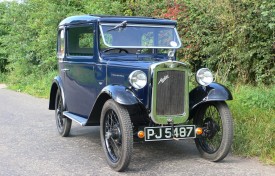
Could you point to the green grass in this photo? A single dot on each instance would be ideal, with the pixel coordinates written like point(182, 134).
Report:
point(35, 84)
point(253, 110)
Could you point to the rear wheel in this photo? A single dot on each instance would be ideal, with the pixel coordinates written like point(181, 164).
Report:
point(116, 135)
point(216, 121)
point(63, 123)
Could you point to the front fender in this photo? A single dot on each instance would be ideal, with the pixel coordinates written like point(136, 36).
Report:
point(57, 84)
point(212, 92)
point(120, 94)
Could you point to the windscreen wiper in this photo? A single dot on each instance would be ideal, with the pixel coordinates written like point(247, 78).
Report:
point(119, 26)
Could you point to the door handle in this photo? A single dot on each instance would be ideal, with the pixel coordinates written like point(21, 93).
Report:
point(65, 69)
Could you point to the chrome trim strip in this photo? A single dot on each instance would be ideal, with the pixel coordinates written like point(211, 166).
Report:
point(153, 66)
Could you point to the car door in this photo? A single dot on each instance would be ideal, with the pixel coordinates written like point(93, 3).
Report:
point(79, 69)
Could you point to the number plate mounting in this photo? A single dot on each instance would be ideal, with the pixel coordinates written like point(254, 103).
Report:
point(165, 132)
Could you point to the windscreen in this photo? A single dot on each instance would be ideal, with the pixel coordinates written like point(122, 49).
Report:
point(140, 36)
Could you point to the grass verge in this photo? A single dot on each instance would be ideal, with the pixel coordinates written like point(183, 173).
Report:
point(35, 84)
point(254, 122)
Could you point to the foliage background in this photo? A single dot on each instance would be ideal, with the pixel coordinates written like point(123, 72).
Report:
point(234, 38)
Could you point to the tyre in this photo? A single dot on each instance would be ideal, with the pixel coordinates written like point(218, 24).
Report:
point(116, 135)
point(216, 121)
point(63, 123)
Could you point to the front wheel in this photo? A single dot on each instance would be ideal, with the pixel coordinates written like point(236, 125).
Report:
point(216, 121)
point(116, 135)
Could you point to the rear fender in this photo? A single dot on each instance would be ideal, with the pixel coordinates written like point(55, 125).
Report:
point(57, 84)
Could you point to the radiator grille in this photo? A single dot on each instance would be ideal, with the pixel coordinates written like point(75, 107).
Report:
point(170, 92)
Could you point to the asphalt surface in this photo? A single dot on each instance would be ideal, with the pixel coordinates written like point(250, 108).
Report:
point(30, 145)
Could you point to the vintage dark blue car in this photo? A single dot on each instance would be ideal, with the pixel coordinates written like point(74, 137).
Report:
point(121, 73)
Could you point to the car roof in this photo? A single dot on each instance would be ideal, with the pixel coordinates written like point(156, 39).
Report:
point(114, 19)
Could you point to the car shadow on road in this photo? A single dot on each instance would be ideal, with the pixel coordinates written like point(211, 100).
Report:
point(145, 154)
point(148, 155)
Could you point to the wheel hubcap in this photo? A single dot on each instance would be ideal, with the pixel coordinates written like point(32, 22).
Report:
point(212, 128)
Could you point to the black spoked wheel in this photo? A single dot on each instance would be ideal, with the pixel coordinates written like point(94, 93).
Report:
point(216, 121)
point(116, 135)
point(63, 123)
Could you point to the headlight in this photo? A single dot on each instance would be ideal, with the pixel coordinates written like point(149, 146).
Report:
point(204, 76)
point(138, 79)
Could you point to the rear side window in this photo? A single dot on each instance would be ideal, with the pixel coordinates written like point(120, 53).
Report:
point(61, 44)
point(80, 41)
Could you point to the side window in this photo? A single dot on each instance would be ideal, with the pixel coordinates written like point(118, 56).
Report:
point(80, 41)
point(61, 44)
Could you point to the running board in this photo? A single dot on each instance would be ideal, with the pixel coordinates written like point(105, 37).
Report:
point(82, 121)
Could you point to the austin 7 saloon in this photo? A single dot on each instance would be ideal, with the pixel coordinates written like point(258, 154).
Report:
point(122, 74)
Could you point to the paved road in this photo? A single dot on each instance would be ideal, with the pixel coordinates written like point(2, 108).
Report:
point(30, 145)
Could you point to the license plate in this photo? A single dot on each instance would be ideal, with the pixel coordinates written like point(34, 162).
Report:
point(165, 132)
